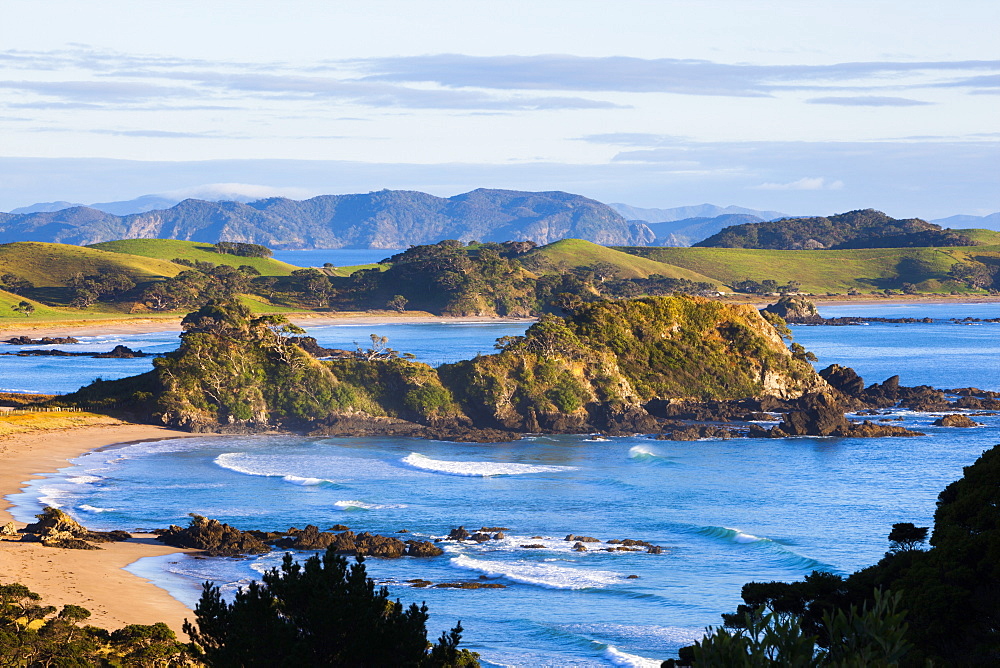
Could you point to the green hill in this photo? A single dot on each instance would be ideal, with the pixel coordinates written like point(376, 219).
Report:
point(168, 249)
point(821, 271)
point(54, 265)
point(577, 253)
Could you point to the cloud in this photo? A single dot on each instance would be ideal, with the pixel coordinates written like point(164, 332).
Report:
point(869, 101)
point(664, 75)
point(99, 91)
point(805, 183)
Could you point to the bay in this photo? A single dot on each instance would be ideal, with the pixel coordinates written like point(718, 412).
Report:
point(727, 511)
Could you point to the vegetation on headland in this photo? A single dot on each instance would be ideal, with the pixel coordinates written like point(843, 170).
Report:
point(151, 277)
point(915, 607)
point(864, 228)
point(596, 368)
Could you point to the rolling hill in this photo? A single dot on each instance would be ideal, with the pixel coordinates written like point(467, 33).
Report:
point(169, 249)
point(864, 228)
point(821, 271)
point(577, 253)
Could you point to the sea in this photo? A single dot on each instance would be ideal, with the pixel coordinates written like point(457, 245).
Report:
point(726, 512)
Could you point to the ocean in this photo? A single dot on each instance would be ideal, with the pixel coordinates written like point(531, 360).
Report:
point(725, 512)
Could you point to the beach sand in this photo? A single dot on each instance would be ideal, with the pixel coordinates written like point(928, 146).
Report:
point(93, 579)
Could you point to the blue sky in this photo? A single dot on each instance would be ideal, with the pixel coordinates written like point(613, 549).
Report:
point(809, 107)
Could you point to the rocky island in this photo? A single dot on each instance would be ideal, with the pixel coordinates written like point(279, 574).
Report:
point(677, 366)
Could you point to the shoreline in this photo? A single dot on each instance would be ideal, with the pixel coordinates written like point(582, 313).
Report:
point(12, 329)
point(94, 579)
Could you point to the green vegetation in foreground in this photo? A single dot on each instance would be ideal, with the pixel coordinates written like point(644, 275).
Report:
point(319, 613)
point(914, 608)
point(822, 271)
point(235, 371)
point(169, 249)
point(34, 634)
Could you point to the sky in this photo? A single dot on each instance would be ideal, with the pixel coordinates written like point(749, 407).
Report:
point(811, 107)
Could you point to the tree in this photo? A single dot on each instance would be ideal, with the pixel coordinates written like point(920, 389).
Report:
point(23, 307)
point(318, 613)
point(397, 303)
point(905, 537)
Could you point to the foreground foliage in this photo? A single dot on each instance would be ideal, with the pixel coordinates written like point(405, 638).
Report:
point(33, 634)
point(319, 613)
point(950, 594)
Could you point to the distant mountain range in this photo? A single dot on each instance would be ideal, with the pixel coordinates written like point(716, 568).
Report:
point(990, 222)
point(680, 213)
point(384, 219)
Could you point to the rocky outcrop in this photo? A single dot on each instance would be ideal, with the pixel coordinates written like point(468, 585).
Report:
point(956, 421)
point(44, 341)
point(822, 414)
point(55, 528)
point(215, 538)
point(795, 309)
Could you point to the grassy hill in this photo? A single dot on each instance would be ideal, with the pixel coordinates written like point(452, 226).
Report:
point(53, 265)
point(570, 253)
point(168, 249)
point(821, 271)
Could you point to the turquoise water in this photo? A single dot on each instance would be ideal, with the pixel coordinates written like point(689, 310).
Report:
point(727, 511)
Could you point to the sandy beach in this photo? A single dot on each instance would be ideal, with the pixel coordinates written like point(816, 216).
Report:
point(144, 326)
point(91, 578)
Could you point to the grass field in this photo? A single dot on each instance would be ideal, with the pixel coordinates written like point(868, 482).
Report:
point(168, 249)
point(570, 253)
point(821, 271)
point(53, 265)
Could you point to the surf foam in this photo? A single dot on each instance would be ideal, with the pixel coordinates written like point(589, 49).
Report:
point(361, 505)
point(620, 658)
point(477, 469)
point(540, 574)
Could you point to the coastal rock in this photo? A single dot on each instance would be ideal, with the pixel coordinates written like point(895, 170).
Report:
point(458, 534)
point(869, 429)
point(695, 432)
point(44, 341)
point(121, 352)
point(422, 548)
point(579, 547)
point(214, 537)
point(817, 415)
point(480, 537)
point(8, 529)
point(470, 585)
point(796, 309)
point(844, 379)
point(956, 421)
point(582, 539)
point(534, 546)
point(55, 528)
point(310, 538)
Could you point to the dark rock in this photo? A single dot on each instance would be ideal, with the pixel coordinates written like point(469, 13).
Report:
point(310, 538)
point(579, 547)
point(844, 379)
point(367, 544)
point(534, 546)
point(458, 534)
point(480, 537)
point(215, 538)
point(956, 421)
point(869, 429)
point(654, 549)
point(695, 432)
point(422, 548)
point(632, 577)
point(420, 583)
point(582, 539)
point(499, 535)
point(817, 414)
point(44, 341)
point(493, 529)
point(338, 527)
point(403, 531)
point(121, 352)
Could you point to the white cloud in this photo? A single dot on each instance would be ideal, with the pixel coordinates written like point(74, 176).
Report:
point(247, 192)
point(805, 183)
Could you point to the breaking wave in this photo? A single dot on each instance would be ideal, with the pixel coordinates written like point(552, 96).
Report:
point(477, 469)
point(540, 574)
point(232, 462)
point(361, 505)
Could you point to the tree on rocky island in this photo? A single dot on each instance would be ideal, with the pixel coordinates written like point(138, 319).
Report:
point(319, 613)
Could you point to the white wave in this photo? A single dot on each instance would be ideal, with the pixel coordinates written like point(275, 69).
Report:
point(347, 505)
point(83, 479)
point(50, 496)
point(94, 509)
point(620, 658)
point(308, 482)
point(541, 575)
point(477, 469)
point(232, 461)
